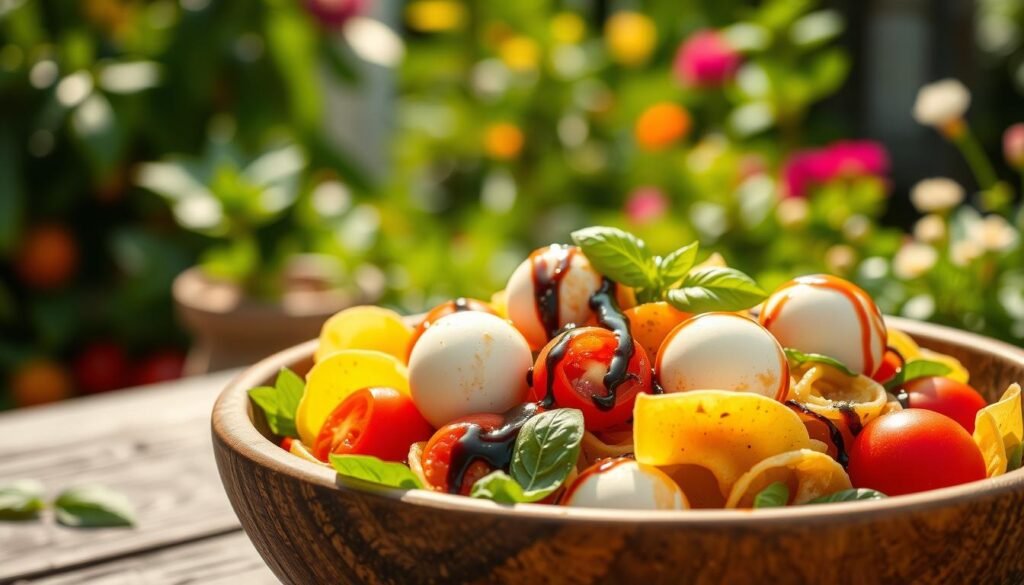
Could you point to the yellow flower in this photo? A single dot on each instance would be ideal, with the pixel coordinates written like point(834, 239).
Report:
point(503, 141)
point(435, 15)
point(520, 53)
point(631, 38)
point(567, 28)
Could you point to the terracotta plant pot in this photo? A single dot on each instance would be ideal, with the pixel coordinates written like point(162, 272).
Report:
point(313, 527)
point(232, 329)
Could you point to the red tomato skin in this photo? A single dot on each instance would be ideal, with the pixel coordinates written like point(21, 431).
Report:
point(100, 367)
point(914, 450)
point(956, 400)
point(588, 345)
point(160, 366)
point(891, 364)
point(386, 421)
point(437, 455)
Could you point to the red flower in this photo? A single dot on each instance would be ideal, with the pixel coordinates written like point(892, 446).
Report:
point(334, 13)
point(854, 158)
point(706, 60)
point(646, 204)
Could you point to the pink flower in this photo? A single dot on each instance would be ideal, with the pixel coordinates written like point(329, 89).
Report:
point(334, 13)
point(853, 158)
point(646, 204)
point(1013, 145)
point(706, 60)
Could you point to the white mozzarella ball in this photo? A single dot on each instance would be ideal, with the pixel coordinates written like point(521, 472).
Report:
point(830, 316)
point(572, 281)
point(625, 484)
point(468, 363)
point(722, 351)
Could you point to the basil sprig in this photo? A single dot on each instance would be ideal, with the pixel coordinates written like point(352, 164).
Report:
point(625, 258)
point(917, 369)
point(774, 495)
point(374, 470)
point(798, 357)
point(94, 506)
point(280, 401)
point(21, 499)
point(500, 487)
point(850, 495)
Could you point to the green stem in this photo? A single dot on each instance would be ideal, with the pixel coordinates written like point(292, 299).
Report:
point(976, 158)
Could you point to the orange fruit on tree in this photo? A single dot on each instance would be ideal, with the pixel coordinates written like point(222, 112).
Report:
point(660, 125)
point(650, 323)
point(47, 256)
point(40, 381)
point(503, 141)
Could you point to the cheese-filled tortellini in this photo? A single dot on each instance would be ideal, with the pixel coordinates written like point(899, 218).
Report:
point(830, 392)
point(808, 475)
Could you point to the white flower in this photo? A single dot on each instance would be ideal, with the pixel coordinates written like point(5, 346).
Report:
point(941, 103)
point(938, 194)
point(930, 229)
point(913, 260)
point(964, 252)
point(840, 258)
point(856, 228)
point(993, 234)
point(792, 212)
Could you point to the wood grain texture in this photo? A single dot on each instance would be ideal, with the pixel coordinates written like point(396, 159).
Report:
point(152, 444)
point(311, 527)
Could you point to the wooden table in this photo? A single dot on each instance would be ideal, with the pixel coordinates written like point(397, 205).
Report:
point(152, 444)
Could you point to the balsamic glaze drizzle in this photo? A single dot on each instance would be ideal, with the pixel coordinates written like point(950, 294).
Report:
point(851, 417)
point(842, 457)
point(554, 357)
point(492, 447)
point(611, 317)
point(462, 304)
point(547, 282)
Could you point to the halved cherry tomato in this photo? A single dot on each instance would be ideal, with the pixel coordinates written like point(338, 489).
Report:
point(437, 455)
point(892, 362)
point(286, 443)
point(914, 450)
point(578, 377)
point(445, 309)
point(954, 399)
point(381, 422)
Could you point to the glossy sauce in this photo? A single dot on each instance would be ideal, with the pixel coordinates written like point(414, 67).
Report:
point(547, 280)
point(851, 417)
point(842, 457)
point(493, 447)
point(611, 317)
point(858, 299)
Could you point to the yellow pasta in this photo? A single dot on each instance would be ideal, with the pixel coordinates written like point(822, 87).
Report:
point(999, 429)
point(594, 449)
point(910, 351)
point(830, 392)
point(808, 475)
point(724, 432)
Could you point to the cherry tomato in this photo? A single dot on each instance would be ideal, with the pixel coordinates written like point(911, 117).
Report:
point(437, 455)
point(954, 399)
point(286, 443)
point(578, 377)
point(160, 366)
point(914, 450)
point(47, 257)
point(381, 422)
point(445, 309)
point(100, 367)
point(892, 362)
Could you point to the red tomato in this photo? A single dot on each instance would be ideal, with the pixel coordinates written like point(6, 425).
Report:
point(892, 362)
point(160, 366)
point(445, 309)
point(101, 367)
point(381, 422)
point(914, 450)
point(579, 377)
point(954, 399)
point(437, 455)
point(286, 443)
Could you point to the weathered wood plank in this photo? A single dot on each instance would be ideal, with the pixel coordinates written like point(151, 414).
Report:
point(152, 444)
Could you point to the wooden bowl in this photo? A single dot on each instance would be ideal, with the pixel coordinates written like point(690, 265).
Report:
point(311, 527)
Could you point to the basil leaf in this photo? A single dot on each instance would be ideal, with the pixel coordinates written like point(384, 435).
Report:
point(774, 495)
point(619, 255)
point(674, 267)
point(850, 495)
point(795, 355)
point(94, 506)
point(500, 487)
point(1013, 458)
point(21, 499)
point(279, 402)
point(373, 470)
point(546, 449)
point(716, 288)
point(917, 369)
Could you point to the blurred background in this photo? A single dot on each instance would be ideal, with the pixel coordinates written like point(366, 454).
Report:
point(188, 184)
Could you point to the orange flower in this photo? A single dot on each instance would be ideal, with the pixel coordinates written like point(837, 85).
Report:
point(660, 125)
point(503, 141)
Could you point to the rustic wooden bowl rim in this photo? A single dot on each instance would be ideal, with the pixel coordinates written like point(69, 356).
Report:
point(233, 424)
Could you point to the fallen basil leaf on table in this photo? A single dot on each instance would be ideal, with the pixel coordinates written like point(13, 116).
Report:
point(94, 507)
point(850, 495)
point(280, 401)
point(795, 355)
point(774, 495)
point(21, 499)
point(373, 470)
point(500, 487)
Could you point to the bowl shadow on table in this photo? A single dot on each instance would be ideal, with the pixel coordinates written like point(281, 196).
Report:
point(311, 527)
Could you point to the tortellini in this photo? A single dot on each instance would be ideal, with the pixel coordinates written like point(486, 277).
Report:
point(830, 392)
point(808, 475)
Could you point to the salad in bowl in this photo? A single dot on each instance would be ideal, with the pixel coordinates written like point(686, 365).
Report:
point(604, 376)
